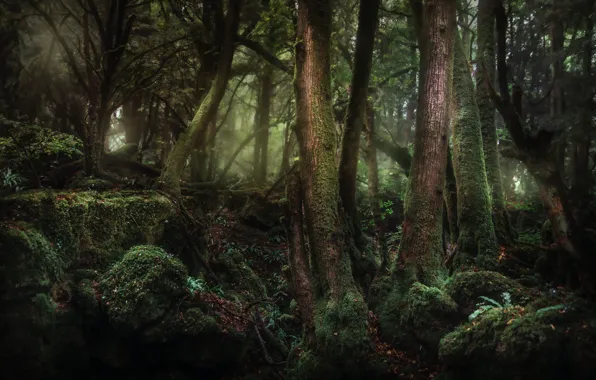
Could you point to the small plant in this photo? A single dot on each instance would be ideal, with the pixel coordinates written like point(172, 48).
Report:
point(489, 303)
point(11, 179)
point(277, 239)
point(386, 209)
point(196, 284)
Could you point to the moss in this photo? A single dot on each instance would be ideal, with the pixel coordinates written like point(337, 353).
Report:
point(28, 331)
point(537, 341)
point(308, 365)
point(89, 183)
point(340, 327)
point(477, 241)
point(91, 228)
point(86, 298)
point(28, 261)
point(141, 288)
point(466, 287)
point(420, 317)
point(238, 275)
point(379, 291)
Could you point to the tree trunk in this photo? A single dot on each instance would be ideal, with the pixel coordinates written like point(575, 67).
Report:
point(581, 177)
point(172, 173)
point(451, 200)
point(373, 188)
point(297, 254)
point(365, 38)
point(476, 244)
point(341, 334)
point(264, 119)
point(485, 71)
point(421, 249)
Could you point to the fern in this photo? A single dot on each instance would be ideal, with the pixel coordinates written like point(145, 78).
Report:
point(489, 304)
point(550, 308)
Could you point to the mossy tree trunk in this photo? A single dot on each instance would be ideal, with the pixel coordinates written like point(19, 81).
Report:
point(373, 188)
point(421, 250)
point(365, 38)
point(298, 255)
point(451, 200)
point(485, 71)
point(340, 314)
point(476, 244)
point(174, 167)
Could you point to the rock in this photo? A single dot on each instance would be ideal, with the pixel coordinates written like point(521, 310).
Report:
point(466, 288)
point(140, 289)
point(537, 341)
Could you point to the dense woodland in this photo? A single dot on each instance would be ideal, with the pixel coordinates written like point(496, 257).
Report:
point(297, 189)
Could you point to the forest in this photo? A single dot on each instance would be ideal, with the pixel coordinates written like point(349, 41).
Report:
point(297, 189)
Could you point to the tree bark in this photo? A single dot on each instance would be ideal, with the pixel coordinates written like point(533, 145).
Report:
point(421, 249)
point(485, 71)
point(264, 119)
point(476, 244)
point(365, 38)
point(340, 334)
point(297, 254)
point(172, 174)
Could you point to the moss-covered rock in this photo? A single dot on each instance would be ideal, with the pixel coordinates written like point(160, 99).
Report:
point(547, 342)
point(466, 288)
point(195, 339)
point(29, 264)
point(235, 272)
point(89, 228)
point(421, 317)
point(141, 288)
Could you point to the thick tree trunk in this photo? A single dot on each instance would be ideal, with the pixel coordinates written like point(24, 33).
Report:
point(172, 173)
point(365, 38)
point(421, 249)
point(341, 313)
point(485, 71)
point(476, 244)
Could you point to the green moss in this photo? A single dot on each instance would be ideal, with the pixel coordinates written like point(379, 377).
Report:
point(537, 341)
point(91, 226)
point(340, 327)
point(477, 242)
point(86, 299)
point(379, 291)
point(420, 317)
point(141, 288)
point(466, 287)
point(28, 261)
point(237, 274)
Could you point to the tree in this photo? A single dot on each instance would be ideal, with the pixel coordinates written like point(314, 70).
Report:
point(172, 173)
point(476, 238)
point(340, 310)
point(421, 249)
point(355, 118)
point(485, 72)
